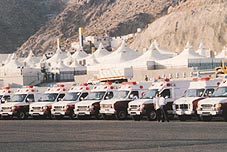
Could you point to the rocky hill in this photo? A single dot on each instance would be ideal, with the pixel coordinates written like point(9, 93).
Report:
point(113, 17)
point(22, 18)
point(171, 22)
point(194, 21)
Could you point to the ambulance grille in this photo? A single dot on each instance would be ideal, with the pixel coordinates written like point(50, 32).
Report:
point(206, 106)
point(58, 108)
point(6, 109)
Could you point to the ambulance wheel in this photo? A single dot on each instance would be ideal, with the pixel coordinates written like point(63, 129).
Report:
point(48, 115)
point(198, 118)
point(152, 116)
point(136, 118)
point(98, 116)
point(182, 118)
point(121, 115)
point(21, 115)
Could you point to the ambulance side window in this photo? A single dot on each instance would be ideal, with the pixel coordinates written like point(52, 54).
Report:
point(166, 93)
point(208, 92)
point(134, 94)
point(84, 95)
point(30, 98)
point(6, 98)
point(60, 96)
point(109, 95)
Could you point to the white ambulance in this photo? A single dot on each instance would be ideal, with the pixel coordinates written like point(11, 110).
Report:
point(18, 105)
point(91, 105)
point(66, 106)
point(168, 88)
point(200, 88)
point(42, 108)
point(6, 93)
point(215, 106)
point(118, 105)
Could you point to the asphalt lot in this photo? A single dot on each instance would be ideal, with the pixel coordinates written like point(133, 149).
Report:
point(111, 136)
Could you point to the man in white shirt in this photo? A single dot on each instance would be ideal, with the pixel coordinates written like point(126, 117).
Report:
point(164, 114)
point(157, 106)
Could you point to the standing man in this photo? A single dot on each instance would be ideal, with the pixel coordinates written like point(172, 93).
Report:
point(157, 106)
point(164, 114)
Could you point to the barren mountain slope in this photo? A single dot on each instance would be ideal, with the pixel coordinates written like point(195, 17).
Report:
point(22, 18)
point(113, 17)
point(194, 21)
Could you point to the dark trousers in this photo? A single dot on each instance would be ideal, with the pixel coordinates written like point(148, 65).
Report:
point(158, 114)
point(164, 113)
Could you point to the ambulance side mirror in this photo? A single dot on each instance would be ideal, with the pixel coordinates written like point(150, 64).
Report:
point(106, 98)
point(29, 100)
point(3, 100)
point(59, 99)
point(81, 98)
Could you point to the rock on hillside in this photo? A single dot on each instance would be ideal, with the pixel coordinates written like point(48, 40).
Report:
point(194, 21)
point(113, 17)
point(22, 18)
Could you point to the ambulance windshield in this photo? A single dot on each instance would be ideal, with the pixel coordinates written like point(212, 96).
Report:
point(18, 98)
point(121, 94)
point(220, 92)
point(95, 95)
point(48, 97)
point(71, 96)
point(150, 94)
point(194, 93)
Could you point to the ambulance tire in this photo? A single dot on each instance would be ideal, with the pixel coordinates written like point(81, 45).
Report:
point(182, 117)
point(136, 117)
point(98, 116)
point(121, 115)
point(152, 116)
point(198, 118)
point(48, 115)
point(21, 115)
point(71, 115)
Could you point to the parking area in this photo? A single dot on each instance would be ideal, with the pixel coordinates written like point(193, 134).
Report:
point(111, 136)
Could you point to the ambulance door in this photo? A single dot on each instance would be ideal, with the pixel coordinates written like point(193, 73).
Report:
point(168, 95)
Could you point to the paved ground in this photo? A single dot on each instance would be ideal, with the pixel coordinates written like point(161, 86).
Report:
point(111, 136)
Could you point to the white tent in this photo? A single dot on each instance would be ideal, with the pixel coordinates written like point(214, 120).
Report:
point(101, 51)
point(203, 50)
point(152, 54)
point(182, 58)
point(223, 53)
point(59, 55)
point(91, 60)
point(77, 66)
point(79, 54)
point(67, 61)
point(60, 66)
point(163, 51)
point(31, 61)
point(122, 54)
point(147, 59)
